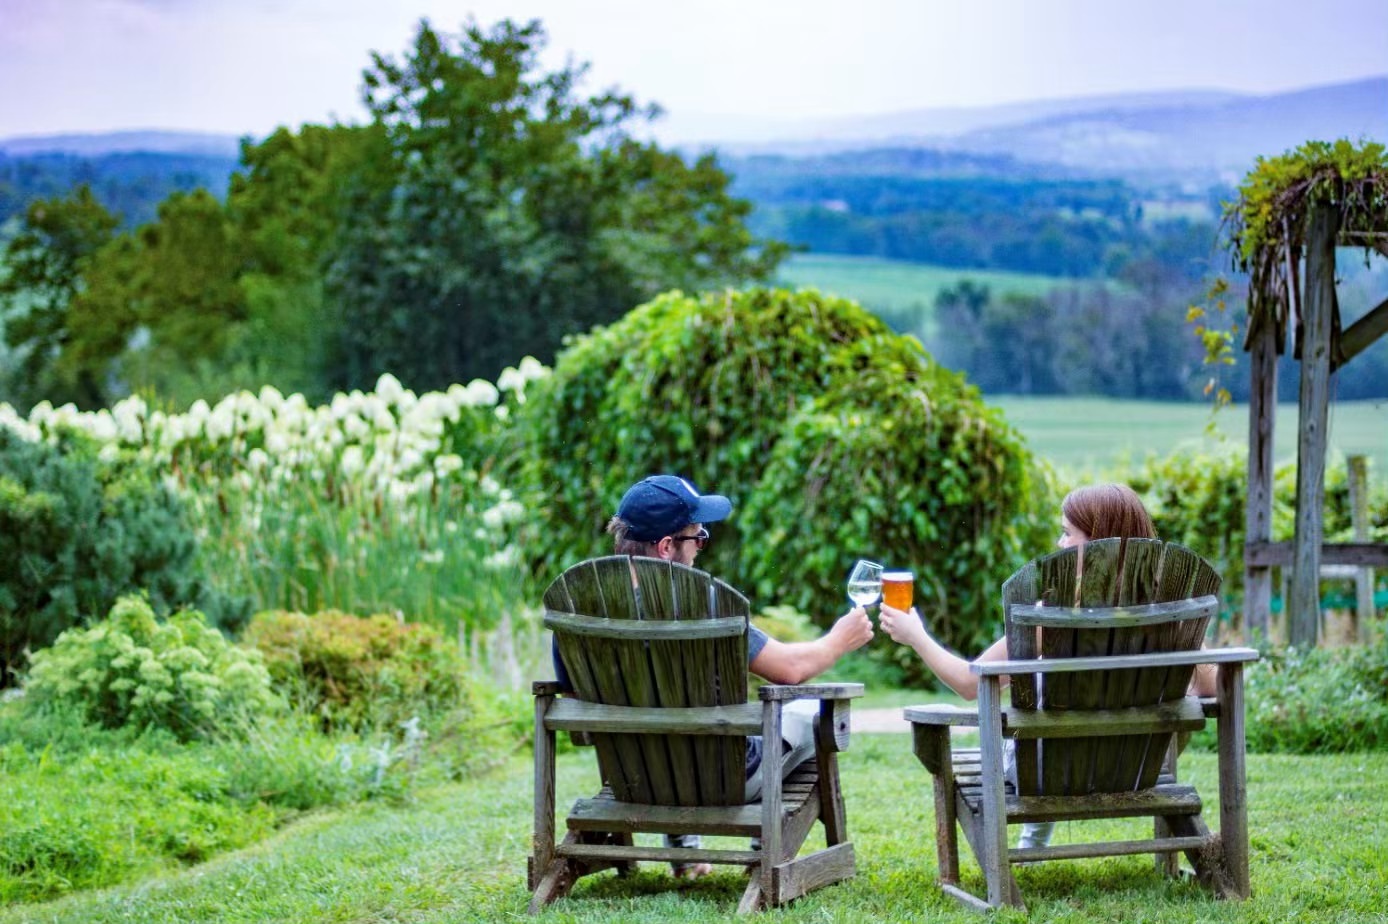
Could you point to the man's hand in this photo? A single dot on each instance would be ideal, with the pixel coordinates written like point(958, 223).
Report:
point(851, 631)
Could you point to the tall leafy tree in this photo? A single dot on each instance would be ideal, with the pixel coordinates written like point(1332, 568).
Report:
point(514, 212)
point(45, 262)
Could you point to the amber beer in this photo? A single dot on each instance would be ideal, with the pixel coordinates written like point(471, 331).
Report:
point(896, 588)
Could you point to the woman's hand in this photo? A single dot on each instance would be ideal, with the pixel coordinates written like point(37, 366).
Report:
point(903, 626)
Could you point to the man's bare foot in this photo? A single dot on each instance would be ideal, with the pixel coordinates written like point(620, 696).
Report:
point(692, 870)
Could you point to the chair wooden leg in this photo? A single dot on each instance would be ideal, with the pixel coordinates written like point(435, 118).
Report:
point(946, 827)
point(542, 836)
point(555, 881)
point(997, 872)
point(752, 898)
point(1233, 793)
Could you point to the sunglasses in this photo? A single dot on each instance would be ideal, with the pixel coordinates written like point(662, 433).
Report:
point(700, 538)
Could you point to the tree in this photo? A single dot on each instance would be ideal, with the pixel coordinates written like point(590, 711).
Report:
point(46, 261)
point(512, 212)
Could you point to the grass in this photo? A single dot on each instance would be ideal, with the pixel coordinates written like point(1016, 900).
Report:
point(457, 854)
point(1095, 433)
point(898, 289)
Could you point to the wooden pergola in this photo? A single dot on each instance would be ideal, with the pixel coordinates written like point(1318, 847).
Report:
point(1297, 208)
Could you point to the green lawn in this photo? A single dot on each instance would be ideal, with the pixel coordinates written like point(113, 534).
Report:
point(457, 854)
point(1093, 433)
point(897, 288)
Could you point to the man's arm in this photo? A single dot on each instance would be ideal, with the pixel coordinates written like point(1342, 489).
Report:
point(797, 662)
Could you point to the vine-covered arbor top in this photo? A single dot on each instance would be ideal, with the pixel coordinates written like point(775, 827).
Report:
point(1302, 205)
point(1268, 223)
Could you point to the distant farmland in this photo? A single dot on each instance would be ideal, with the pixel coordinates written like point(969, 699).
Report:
point(1094, 433)
point(902, 293)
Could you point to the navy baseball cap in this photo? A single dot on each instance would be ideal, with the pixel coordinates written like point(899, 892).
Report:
point(662, 505)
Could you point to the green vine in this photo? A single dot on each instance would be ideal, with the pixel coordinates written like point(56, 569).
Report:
point(1266, 229)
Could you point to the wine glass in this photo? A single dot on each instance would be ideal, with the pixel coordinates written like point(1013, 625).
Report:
point(865, 582)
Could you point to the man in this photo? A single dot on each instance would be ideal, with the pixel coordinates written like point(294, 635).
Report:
point(665, 517)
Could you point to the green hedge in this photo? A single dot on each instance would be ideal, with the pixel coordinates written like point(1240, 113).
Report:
point(834, 437)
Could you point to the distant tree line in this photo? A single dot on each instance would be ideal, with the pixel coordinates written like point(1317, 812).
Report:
point(130, 184)
point(485, 212)
point(943, 211)
point(1124, 339)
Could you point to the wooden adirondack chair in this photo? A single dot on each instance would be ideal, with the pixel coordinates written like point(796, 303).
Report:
point(657, 653)
point(1118, 634)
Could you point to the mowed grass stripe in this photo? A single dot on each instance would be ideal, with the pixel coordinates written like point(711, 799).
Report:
point(1097, 433)
point(457, 854)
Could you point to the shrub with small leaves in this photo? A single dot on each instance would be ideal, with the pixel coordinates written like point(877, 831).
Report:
point(361, 672)
point(137, 669)
point(1319, 701)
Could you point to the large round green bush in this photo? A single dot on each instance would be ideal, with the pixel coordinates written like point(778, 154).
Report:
point(900, 462)
point(77, 530)
point(834, 437)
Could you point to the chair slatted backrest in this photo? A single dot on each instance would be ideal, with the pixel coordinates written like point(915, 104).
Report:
point(1094, 589)
point(605, 614)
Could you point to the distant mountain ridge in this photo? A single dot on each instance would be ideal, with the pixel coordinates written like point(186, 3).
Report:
point(1204, 133)
point(148, 140)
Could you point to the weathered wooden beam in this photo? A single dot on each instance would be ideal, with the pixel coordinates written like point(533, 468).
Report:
point(1104, 849)
point(1184, 714)
point(1361, 334)
point(1359, 520)
point(1149, 614)
point(1262, 410)
point(1360, 554)
point(577, 715)
point(611, 852)
point(1112, 662)
point(1318, 308)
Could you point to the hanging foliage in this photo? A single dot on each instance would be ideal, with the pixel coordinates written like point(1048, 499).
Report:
point(1267, 224)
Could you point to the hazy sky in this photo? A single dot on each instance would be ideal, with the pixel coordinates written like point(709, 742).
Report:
point(245, 66)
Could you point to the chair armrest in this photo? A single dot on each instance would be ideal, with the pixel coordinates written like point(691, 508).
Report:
point(940, 714)
point(773, 692)
point(1115, 662)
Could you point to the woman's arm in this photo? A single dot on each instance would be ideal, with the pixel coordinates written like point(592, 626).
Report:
point(953, 671)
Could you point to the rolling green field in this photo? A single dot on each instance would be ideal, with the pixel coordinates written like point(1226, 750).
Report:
point(1094, 433)
point(897, 289)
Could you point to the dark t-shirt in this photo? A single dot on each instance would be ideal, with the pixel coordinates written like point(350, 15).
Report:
point(756, 641)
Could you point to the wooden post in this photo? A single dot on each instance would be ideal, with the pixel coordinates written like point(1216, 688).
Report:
point(1303, 605)
point(1262, 411)
point(1359, 519)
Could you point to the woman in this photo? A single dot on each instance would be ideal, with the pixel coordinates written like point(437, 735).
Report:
point(1102, 511)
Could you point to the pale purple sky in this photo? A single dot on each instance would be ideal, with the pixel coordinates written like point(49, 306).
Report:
point(245, 66)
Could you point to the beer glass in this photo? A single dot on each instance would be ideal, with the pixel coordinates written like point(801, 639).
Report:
point(896, 588)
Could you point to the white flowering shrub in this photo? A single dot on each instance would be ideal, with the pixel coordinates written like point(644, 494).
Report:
point(377, 501)
point(136, 669)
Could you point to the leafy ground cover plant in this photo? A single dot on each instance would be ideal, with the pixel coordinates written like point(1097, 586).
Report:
point(133, 668)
